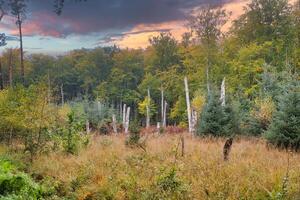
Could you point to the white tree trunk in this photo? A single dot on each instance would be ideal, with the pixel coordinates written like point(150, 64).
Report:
point(165, 114)
point(148, 110)
point(207, 79)
point(62, 94)
point(162, 105)
point(114, 123)
point(124, 115)
point(127, 120)
point(187, 95)
point(194, 120)
point(87, 127)
point(121, 110)
point(223, 93)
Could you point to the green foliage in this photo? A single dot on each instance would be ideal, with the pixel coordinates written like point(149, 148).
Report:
point(16, 185)
point(134, 135)
point(71, 134)
point(284, 131)
point(216, 120)
point(168, 186)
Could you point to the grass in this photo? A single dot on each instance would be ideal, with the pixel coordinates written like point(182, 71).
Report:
point(107, 169)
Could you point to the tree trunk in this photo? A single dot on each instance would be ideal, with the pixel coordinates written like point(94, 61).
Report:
point(127, 120)
point(165, 114)
point(21, 50)
point(187, 95)
point(49, 88)
point(114, 124)
point(10, 78)
point(62, 94)
point(162, 106)
point(148, 111)
point(87, 127)
point(1, 77)
point(223, 93)
point(124, 115)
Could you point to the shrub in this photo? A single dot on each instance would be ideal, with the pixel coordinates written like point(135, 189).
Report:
point(284, 131)
point(168, 186)
point(17, 185)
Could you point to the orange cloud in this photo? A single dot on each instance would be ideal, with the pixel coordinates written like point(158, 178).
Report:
point(177, 28)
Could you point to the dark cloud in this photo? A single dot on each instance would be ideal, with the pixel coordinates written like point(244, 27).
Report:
point(94, 16)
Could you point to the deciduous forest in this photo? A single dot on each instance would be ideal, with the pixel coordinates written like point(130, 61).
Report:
point(213, 115)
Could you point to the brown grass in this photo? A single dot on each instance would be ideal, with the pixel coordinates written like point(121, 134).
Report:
point(108, 166)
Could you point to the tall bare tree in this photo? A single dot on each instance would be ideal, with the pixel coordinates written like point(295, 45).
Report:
point(18, 9)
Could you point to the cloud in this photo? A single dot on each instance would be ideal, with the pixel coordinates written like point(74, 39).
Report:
point(94, 16)
point(116, 37)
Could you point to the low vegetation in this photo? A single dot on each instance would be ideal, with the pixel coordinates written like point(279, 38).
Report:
point(108, 169)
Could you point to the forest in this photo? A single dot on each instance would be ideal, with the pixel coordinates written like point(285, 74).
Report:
point(151, 123)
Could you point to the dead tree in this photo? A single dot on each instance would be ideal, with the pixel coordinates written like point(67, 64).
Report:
point(10, 78)
point(114, 124)
point(187, 95)
point(148, 110)
point(227, 148)
point(127, 120)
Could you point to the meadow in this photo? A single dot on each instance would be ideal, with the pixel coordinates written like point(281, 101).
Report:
point(107, 169)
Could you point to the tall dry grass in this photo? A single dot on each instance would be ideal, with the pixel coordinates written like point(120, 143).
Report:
point(113, 171)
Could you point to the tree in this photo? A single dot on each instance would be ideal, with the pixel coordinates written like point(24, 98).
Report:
point(18, 9)
point(284, 131)
point(216, 120)
point(166, 51)
point(206, 24)
point(264, 20)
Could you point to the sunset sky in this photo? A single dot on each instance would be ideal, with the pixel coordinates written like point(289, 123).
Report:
point(126, 23)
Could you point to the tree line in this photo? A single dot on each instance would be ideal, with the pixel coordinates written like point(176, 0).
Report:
point(259, 56)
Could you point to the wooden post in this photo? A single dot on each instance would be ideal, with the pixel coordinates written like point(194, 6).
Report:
point(114, 124)
point(187, 95)
point(127, 120)
point(148, 110)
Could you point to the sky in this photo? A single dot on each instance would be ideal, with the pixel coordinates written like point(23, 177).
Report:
point(93, 23)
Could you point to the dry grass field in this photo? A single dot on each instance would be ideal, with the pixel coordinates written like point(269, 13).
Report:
point(107, 169)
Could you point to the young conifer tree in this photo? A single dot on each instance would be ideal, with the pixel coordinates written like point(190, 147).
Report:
point(284, 131)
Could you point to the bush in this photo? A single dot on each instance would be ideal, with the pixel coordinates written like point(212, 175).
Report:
point(284, 131)
point(168, 186)
point(17, 185)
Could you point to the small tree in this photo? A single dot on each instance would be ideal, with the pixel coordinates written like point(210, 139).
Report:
point(216, 120)
point(284, 131)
